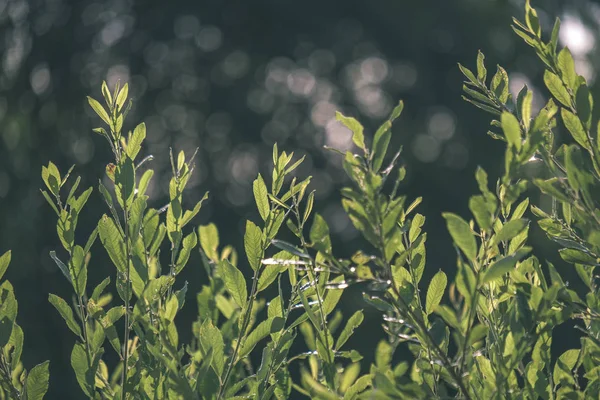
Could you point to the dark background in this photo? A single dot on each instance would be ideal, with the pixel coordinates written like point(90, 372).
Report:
point(234, 77)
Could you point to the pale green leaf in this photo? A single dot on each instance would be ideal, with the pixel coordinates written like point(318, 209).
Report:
point(512, 130)
point(358, 136)
point(261, 197)
point(234, 282)
point(461, 234)
point(97, 107)
point(4, 262)
point(435, 292)
point(253, 244)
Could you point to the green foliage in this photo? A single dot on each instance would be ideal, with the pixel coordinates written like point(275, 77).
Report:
point(492, 337)
point(15, 381)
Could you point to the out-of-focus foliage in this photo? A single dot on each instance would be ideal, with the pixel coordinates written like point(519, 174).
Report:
point(233, 78)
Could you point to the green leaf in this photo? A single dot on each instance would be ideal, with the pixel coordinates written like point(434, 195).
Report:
point(113, 242)
point(36, 384)
point(566, 66)
point(4, 262)
point(99, 289)
point(106, 93)
point(51, 177)
point(189, 243)
point(188, 215)
point(261, 197)
point(435, 292)
point(97, 107)
point(271, 272)
point(504, 265)
point(212, 339)
point(125, 182)
point(510, 230)
point(290, 248)
point(134, 143)
point(8, 312)
point(253, 244)
point(481, 71)
point(66, 312)
point(562, 373)
point(468, 74)
point(574, 256)
point(382, 138)
point(512, 130)
point(63, 268)
point(209, 239)
point(122, 96)
point(353, 322)
point(319, 234)
point(234, 282)
point(574, 125)
point(78, 270)
point(84, 373)
point(557, 88)
point(479, 207)
point(263, 329)
point(461, 234)
point(358, 136)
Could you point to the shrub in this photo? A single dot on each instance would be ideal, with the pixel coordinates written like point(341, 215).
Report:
point(492, 338)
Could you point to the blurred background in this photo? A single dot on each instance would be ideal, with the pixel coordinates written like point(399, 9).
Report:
point(232, 78)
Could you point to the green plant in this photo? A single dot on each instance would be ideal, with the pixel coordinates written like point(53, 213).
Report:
point(491, 339)
point(15, 381)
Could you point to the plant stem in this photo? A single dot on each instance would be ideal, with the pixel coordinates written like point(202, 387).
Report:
point(127, 295)
point(241, 334)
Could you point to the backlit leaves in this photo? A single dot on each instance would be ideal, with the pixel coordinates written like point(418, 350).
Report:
point(435, 292)
point(461, 234)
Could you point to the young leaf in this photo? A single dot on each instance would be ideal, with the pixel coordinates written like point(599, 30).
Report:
point(234, 282)
point(481, 71)
point(261, 197)
point(461, 234)
point(134, 144)
point(122, 96)
point(355, 127)
point(99, 110)
point(435, 292)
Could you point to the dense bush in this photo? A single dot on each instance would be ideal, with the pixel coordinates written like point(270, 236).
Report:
point(490, 338)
